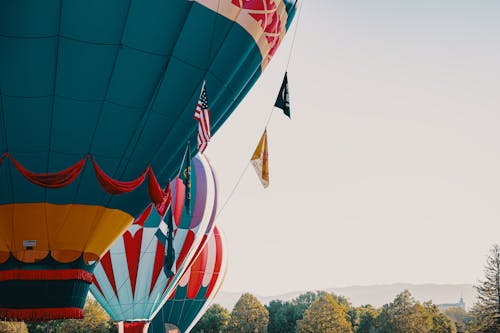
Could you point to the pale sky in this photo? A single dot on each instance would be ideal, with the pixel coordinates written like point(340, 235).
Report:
point(389, 170)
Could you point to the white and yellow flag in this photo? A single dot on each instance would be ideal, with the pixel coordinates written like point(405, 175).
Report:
point(260, 160)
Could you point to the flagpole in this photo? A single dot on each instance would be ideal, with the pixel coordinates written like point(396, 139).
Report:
point(202, 87)
point(184, 158)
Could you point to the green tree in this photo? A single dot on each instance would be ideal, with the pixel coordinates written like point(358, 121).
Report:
point(304, 301)
point(13, 327)
point(214, 320)
point(460, 317)
point(404, 315)
point(43, 326)
point(367, 318)
point(248, 316)
point(475, 324)
point(283, 317)
point(352, 313)
point(440, 323)
point(96, 320)
point(325, 315)
point(488, 307)
point(343, 301)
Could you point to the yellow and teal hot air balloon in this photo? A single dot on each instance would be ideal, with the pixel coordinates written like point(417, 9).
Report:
point(96, 109)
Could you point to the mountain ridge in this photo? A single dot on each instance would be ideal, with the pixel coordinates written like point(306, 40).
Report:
point(376, 295)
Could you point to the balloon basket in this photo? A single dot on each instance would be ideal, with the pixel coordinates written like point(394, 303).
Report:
point(43, 291)
point(133, 326)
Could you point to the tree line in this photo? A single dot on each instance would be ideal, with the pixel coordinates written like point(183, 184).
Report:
point(322, 312)
point(318, 312)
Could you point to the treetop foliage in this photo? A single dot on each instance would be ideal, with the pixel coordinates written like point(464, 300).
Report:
point(248, 316)
point(487, 310)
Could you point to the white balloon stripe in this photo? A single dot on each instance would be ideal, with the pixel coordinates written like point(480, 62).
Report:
point(211, 259)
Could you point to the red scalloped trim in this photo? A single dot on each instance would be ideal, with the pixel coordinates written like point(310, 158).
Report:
point(41, 314)
point(51, 180)
point(157, 195)
point(112, 186)
point(54, 275)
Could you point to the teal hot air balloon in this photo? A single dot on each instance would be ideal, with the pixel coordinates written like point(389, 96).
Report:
point(196, 289)
point(96, 108)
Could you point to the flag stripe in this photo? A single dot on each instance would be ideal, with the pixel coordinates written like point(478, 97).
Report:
point(202, 115)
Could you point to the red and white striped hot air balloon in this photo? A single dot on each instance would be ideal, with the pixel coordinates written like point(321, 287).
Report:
point(130, 281)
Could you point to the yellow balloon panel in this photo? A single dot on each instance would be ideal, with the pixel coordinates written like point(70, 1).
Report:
point(30, 231)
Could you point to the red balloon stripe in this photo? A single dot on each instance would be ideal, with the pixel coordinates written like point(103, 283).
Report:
point(133, 254)
point(56, 274)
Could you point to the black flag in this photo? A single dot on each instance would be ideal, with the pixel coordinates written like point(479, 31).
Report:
point(283, 99)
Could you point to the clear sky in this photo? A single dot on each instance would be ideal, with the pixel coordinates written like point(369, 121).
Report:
point(389, 170)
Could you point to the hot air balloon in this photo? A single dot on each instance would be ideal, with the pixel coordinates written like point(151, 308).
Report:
point(95, 98)
point(130, 281)
point(196, 290)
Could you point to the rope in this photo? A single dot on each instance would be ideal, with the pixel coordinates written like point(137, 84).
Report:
point(294, 36)
point(236, 185)
point(233, 190)
point(184, 159)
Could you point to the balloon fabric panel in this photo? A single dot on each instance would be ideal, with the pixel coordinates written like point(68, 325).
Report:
point(192, 295)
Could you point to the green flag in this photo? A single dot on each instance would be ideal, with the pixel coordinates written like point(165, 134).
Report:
point(283, 99)
point(185, 175)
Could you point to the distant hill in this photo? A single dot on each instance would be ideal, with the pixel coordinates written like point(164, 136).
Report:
point(376, 295)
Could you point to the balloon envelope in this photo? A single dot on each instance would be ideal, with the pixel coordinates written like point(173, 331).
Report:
point(117, 81)
point(130, 282)
point(196, 289)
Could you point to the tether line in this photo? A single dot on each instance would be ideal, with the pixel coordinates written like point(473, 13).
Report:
point(238, 182)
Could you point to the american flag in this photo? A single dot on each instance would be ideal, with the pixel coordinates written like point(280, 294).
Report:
point(202, 115)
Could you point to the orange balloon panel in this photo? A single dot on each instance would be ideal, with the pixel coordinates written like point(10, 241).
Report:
point(45, 228)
